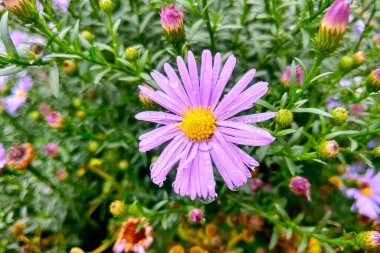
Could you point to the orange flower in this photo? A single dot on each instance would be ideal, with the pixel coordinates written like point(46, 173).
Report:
point(131, 241)
point(19, 157)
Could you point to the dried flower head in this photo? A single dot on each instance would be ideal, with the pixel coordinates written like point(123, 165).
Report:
point(130, 240)
point(19, 157)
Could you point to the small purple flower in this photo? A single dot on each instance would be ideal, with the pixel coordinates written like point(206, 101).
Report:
point(202, 130)
point(195, 215)
point(54, 119)
point(256, 183)
point(345, 83)
point(18, 95)
point(300, 186)
point(3, 83)
point(62, 4)
point(367, 195)
point(51, 149)
point(358, 28)
point(40, 7)
point(2, 156)
point(18, 37)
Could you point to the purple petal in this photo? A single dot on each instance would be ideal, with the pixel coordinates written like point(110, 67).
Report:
point(193, 70)
point(206, 78)
point(244, 101)
point(216, 69)
point(175, 150)
point(169, 88)
point(253, 118)
point(157, 137)
point(235, 91)
point(247, 159)
point(176, 82)
point(161, 99)
point(222, 81)
point(158, 117)
point(186, 81)
point(207, 178)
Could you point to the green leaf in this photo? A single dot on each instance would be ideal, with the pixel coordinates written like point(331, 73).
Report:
point(322, 223)
point(8, 43)
point(160, 204)
point(194, 29)
point(129, 78)
point(100, 75)
point(266, 105)
point(75, 37)
point(284, 98)
point(66, 56)
point(286, 132)
point(300, 62)
point(54, 79)
point(366, 160)
point(10, 70)
point(354, 144)
point(305, 38)
point(291, 165)
point(146, 20)
point(206, 7)
point(63, 33)
point(320, 76)
point(273, 239)
point(284, 215)
point(293, 80)
point(303, 244)
point(116, 25)
point(340, 133)
point(313, 110)
point(327, 247)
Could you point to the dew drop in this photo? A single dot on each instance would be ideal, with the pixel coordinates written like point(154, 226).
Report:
point(207, 200)
point(151, 167)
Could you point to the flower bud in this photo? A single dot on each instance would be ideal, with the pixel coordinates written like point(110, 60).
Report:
point(177, 249)
point(196, 215)
point(172, 25)
point(346, 63)
point(368, 240)
point(62, 175)
point(328, 149)
point(376, 151)
point(197, 249)
point(340, 115)
point(286, 76)
point(333, 27)
point(373, 81)
point(284, 118)
point(93, 146)
point(376, 39)
point(359, 58)
point(123, 164)
point(106, 6)
point(44, 109)
point(77, 102)
point(300, 186)
point(95, 163)
point(35, 115)
point(336, 182)
point(25, 10)
point(19, 157)
point(69, 67)
point(51, 149)
point(55, 120)
point(117, 208)
point(131, 54)
point(145, 101)
point(18, 228)
point(76, 250)
point(80, 114)
point(87, 35)
point(314, 246)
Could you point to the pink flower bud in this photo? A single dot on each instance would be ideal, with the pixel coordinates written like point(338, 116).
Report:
point(286, 76)
point(195, 215)
point(172, 24)
point(300, 186)
point(51, 149)
point(54, 119)
point(44, 109)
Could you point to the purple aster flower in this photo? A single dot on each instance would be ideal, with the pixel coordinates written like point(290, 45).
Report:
point(358, 27)
point(2, 156)
point(18, 95)
point(367, 195)
point(18, 37)
point(62, 4)
point(3, 83)
point(200, 129)
point(345, 83)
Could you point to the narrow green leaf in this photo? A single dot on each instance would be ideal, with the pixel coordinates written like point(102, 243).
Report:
point(54, 79)
point(207, 5)
point(327, 247)
point(340, 133)
point(322, 223)
point(146, 20)
point(300, 62)
point(100, 76)
point(116, 25)
point(282, 212)
point(305, 38)
point(130, 78)
point(320, 76)
point(293, 80)
point(303, 244)
point(286, 132)
point(66, 56)
point(291, 165)
point(273, 239)
point(8, 43)
point(63, 33)
point(9, 70)
point(313, 110)
point(366, 160)
point(75, 37)
point(266, 105)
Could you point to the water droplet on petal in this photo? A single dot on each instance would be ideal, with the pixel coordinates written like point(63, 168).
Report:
point(151, 167)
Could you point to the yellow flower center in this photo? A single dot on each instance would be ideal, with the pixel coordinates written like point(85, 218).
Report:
point(198, 124)
point(21, 94)
point(367, 191)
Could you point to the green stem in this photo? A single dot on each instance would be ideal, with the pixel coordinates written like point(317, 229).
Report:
point(312, 73)
point(366, 27)
point(209, 27)
point(115, 43)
